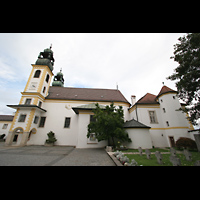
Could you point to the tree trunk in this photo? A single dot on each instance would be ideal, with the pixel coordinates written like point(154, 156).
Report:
point(113, 141)
point(109, 142)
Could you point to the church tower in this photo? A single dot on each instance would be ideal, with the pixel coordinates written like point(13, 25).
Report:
point(30, 108)
point(39, 80)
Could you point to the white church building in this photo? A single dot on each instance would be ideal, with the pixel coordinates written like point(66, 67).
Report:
point(153, 120)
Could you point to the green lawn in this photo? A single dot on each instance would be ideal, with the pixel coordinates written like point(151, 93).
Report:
point(142, 160)
point(143, 150)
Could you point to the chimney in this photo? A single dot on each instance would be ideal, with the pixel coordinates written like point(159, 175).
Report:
point(133, 99)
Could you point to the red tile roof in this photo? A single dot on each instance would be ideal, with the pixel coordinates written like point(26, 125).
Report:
point(89, 94)
point(164, 90)
point(6, 117)
point(148, 99)
point(151, 98)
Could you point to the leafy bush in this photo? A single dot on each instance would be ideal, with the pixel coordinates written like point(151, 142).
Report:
point(2, 136)
point(184, 142)
point(51, 137)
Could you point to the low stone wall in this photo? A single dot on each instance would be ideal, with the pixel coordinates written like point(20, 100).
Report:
point(117, 162)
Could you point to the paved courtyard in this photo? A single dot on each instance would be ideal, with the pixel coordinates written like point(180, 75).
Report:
point(53, 156)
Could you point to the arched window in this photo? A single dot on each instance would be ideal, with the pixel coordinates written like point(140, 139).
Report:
point(47, 78)
point(37, 74)
point(44, 89)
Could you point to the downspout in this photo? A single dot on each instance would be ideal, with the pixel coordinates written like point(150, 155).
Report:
point(136, 112)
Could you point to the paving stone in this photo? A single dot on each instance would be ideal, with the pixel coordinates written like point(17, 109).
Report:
point(56, 155)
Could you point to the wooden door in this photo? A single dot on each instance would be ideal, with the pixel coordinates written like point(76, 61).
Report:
point(172, 142)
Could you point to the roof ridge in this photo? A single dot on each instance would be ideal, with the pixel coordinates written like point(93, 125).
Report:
point(150, 94)
point(85, 88)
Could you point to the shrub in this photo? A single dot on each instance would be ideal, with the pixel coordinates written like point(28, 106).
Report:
point(2, 136)
point(184, 142)
point(51, 137)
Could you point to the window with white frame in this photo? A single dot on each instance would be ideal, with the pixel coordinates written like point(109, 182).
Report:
point(36, 120)
point(22, 118)
point(28, 102)
point(152, 116)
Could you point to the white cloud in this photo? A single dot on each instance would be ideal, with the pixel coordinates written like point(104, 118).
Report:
point(6, 71)
point(138, 62)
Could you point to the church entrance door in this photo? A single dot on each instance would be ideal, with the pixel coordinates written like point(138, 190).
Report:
point(15, 136)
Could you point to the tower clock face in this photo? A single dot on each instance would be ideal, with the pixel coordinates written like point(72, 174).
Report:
point(33, 86)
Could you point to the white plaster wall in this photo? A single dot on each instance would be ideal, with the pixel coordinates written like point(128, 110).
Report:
point(158, 138)
point(126, 113)
point(5, 131)
point(75, 135)
point(139, 137)
point(55, 118)
point(84, 120)
point(143, 117)
point(132, 115)
point(174, 117)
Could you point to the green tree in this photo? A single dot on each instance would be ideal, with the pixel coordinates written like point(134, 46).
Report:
point(187, 54)
point(108, 124)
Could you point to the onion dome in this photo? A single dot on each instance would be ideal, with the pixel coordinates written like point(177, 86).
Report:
point(46, 58)
point(58, 79)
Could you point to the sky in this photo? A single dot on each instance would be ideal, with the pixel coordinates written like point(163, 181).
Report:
point(137, 62)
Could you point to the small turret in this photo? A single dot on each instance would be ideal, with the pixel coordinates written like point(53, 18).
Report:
point(58, 79)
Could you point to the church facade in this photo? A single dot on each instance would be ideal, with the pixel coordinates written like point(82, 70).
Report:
point(151, 121)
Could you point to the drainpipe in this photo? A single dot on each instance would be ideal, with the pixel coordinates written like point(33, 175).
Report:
point(136, 112)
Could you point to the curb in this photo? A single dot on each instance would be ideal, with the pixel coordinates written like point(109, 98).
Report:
point(117, 162)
